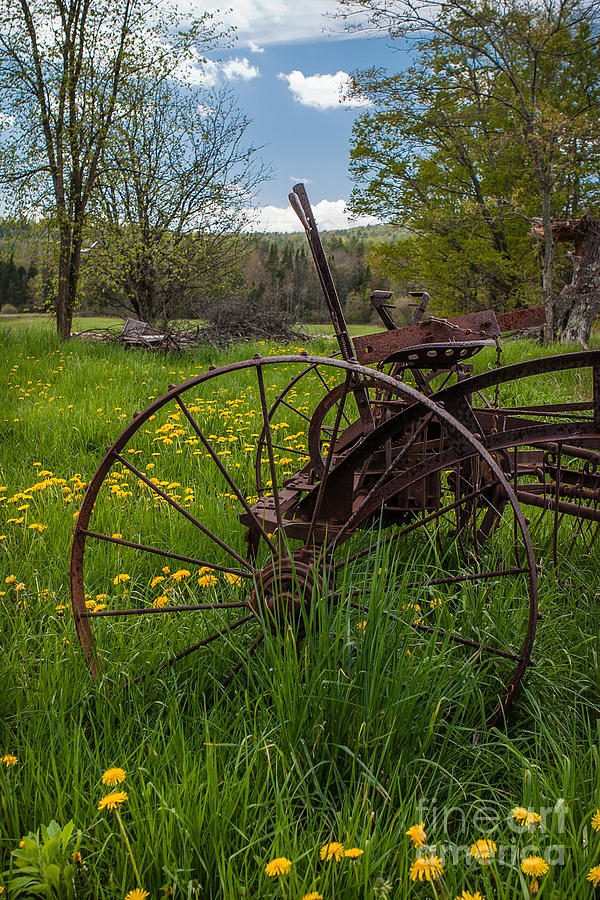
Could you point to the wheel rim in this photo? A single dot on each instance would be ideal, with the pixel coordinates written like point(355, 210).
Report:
point(284, 577)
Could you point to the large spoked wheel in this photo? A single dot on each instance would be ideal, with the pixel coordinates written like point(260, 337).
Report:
point(184, 540)
point(550, 449)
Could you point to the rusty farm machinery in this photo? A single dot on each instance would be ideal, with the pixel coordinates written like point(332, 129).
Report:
point(242, 503)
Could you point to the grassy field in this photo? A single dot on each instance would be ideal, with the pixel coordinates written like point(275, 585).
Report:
point(323, 753)
point(41, 321)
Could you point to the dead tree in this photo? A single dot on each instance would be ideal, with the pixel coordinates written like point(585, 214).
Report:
point(575, 308)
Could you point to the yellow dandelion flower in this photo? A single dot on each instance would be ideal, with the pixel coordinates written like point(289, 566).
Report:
point(361, 626)
point(596, 820)
point(525, 816)
point(113, 776)
point(467, 895)
point(157, 580)
point(37, 526)
point(112, 800)
point(417, 834)
point(161, 601)
point(279, 866)
point(232, 578)
point(533, 818)
point(137, 894)
point(353, 852)
point(117, 536)
point(534, 866)
point(534, 886)
point(20, 586)
point(10, 579)
point(120, 579)
point(77, 857)
point(314, 895)
point(594, 876)
point(166, 570)
point(180, 574)
point(334, 850)
point(9, 760)
point(207, 580)
point(483, 850)
point(426, 867)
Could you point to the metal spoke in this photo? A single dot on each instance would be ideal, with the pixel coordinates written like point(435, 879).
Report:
point(265, 413)
point(328, 389)
point(438, 582)
point(476, 645)
point(393, 466)
point(232, 484)
point(293, 408)
point(239, 665)
point(167, 553)
point(194, 647)
point(424, 520)
point(290, 450)
point(148, 610)
point(323, 484)
point(455, 638)
point(153, 487)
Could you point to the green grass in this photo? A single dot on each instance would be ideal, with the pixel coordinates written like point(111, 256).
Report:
point(45, 322)
point(347, 737)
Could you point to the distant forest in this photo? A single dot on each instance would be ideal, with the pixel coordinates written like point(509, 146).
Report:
point(274, 270)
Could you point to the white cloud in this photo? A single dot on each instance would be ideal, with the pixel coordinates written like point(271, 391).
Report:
point(295, 180)
point(239, 68)
point(321, 91)
point(208, 72)
point(262, 22)
point(328, 214)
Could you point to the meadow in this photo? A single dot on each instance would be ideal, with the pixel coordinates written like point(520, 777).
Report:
point(304, 774)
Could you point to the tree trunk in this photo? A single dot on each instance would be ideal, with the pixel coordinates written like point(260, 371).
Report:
point(69, 265)
point(578, 304)
point(63, 323)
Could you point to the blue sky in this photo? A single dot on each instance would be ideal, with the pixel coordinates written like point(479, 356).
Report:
point(287, 66)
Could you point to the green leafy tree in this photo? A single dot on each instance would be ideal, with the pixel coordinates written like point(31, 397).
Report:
point(66, 67)
point(495, 122)
point(172, 201)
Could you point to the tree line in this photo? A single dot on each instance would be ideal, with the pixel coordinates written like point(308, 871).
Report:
point(275, 271)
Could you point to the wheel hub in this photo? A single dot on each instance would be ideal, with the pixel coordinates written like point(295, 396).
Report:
point(284, 588)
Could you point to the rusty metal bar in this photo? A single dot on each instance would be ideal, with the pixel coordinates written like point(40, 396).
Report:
point(147, 549)
point(143, 611)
